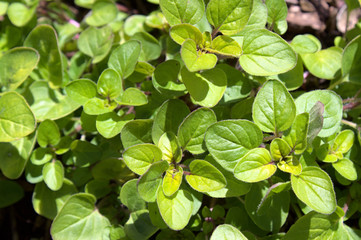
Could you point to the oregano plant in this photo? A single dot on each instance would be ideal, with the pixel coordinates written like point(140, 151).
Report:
point(181, 119)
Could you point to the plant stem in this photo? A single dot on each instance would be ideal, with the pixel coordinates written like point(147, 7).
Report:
point(349, 123)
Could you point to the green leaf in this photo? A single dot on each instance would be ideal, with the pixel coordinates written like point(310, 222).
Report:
point(277, 14)
point(132, 97)
point(313, 226)
point(96, 42)
point(48, 133)
point(172, 180)
point(181, 32)
point(268, 210)
point(206, 88)
point(79, 219)
point(344, 141)
point(20, 14)
point(47, 202)
point(234, 187)
point(176, 210)
point(194, 59)
point(332, 109)
point(111, 124)
point(165, 78)
point(273, 109)
point(85, 153)
point(255, 166)
point(97, 106)
point(293, 79)
point(136, 132)
point(227, 232)
point(279, 149)
point(16, 118)
point(47, 103)
point(53, 173)
point(103, 12)
point(228, 141)
point(139, 226)
point(124, 58)
point(225, 45)
point(11, 192)
point(192, 130)
point(43, 38)
point(140, 157)
point(40, 156)
point(130, 197)
point(16, 65)
point(151, 180)
point(14, 156)
point(182, 11)
point(229, 17)
point(315, 122)
point(290, 165)
point(169, 145)
point(170, 115)
point(111, 169)
point(204, 177)
point(296, 137)
point(258, 17)
point(351, 60)
point(99, 188)
point(325, 63)
point(314, 187)
point(346, 168)
point(265, 53)
point(306, 43)
point(110, 84)
point(3, 7)
point(81, 90)
point(151, 48)
point(134, 24)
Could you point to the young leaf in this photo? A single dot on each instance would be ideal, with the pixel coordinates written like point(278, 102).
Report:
point(225, 45)
point(169, 145)
point(277, 14)
point(255, 166)
point(206, 88)
point(48, 133)
point(81, 90)
point(181, 32)
point(273, 109)
point(332, 109)
point(96, 43)
point(151, 180)
point(346, 168)
point(43, 38)
point(97, 106)
point(306, 43)
point(204, 177)
point(228, 141)
point(110, 84)
point(140, 157)
point(172, 180)
point(182, 11)
point(170, 115)
point(177, 209)
point(344, 141)
point(48, 203)
point(314, 187)
point(192, 130)
point(16, 118)
point(290, 165)
point(196, 60)
point(136, 132)
point(265, 54)
point(77, 219)
point(227, 232)
point(53, 173)
point(16, 65)
point(229, 17)
point(124, 58)
point(20, 14)
point(297, 136)
point(279, 149)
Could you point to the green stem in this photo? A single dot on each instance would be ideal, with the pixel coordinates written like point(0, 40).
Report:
point(349, 123)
